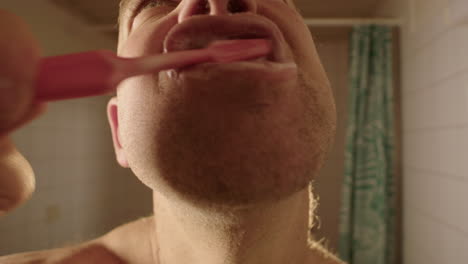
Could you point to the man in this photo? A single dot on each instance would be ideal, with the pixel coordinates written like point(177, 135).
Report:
point(228, 150)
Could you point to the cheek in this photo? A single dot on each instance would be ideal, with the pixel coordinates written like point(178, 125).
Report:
point(136, 104)
point(146, 39)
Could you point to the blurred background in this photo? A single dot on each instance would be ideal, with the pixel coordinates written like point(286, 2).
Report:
point(82, 193)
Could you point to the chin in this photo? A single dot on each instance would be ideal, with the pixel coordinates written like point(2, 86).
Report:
point(231, 141)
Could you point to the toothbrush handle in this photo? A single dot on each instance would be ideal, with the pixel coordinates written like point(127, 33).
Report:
point(75, 75)
point(98, 72)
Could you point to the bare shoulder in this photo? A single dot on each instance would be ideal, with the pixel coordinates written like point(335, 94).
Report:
point(131, 242)
point(113, 248)
point(90, 252)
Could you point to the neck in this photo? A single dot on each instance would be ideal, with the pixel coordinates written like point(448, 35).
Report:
point(267, 233)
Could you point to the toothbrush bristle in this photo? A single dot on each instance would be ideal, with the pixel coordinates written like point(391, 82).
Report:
point(239, 49)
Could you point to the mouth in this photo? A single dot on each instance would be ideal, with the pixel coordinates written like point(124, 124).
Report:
point(199, 32)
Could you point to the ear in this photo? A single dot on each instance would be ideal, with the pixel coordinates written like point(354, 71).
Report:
point(113, 117)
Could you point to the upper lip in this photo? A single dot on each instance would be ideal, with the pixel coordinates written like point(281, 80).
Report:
point(199, 31)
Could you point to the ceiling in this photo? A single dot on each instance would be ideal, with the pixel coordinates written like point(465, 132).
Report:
point(94, 13)
point(337, 8)
point(104, 12)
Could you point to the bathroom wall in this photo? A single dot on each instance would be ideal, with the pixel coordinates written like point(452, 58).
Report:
point(332, 46)
point(435, 129)
point(81, 192)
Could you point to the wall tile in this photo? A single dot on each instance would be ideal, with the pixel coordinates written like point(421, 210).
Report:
point(431, 241)
point(449, 108)
point(461, 168)
point(439, 196)
point(443, 56)
point(417, 239)
point(441, 150)
point(462, 49)
point(458, 12)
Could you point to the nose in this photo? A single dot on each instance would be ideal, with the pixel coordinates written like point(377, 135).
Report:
point(215, 7)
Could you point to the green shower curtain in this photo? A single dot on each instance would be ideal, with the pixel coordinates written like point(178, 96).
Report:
point(367, 215)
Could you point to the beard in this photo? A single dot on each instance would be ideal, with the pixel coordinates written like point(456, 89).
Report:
point(227, 140)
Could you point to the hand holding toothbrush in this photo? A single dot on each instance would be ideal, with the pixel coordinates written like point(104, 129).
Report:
point(19, 56)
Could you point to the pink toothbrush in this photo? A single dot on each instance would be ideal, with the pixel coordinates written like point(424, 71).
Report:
point(99, 72)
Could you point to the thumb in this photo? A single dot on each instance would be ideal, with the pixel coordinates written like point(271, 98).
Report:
point(19, 56)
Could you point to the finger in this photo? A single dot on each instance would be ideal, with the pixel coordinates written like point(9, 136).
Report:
point(19, 56)
point(17, 181)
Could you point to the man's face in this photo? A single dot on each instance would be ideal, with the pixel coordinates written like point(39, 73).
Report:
point(219, 135)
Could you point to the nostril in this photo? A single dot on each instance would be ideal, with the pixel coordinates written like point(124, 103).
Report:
point(237, 6)
point(203, 7)
point(234, 6)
